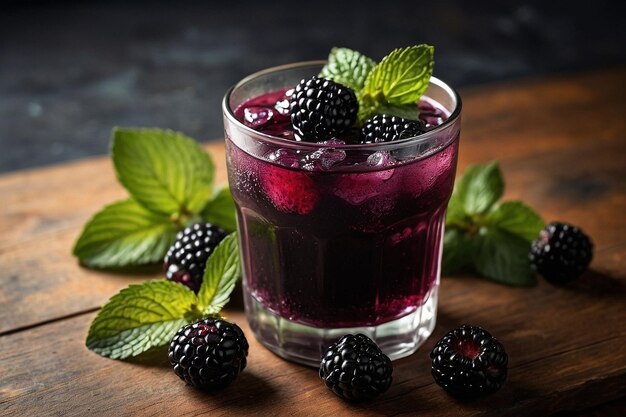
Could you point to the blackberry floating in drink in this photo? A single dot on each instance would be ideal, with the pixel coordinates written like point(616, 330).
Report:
point(343, 233)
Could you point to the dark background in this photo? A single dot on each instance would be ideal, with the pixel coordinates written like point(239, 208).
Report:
point(69, 71)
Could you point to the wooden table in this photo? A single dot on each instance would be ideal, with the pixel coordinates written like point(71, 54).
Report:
point(562, 146)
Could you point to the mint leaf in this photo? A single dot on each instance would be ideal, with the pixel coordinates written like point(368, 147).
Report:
point(455, 213)
point(347, 67)
point(141, 317)
point(223, 269)
point(147, 315)
point(477, 190)
point(503, 257)
point(492, 238)
point(516, 218)
point(406, 111)
point(164, 171)
point(368, 110)
point(122, 234)
point(220, 210)
point(401, 77)
point(457, 251)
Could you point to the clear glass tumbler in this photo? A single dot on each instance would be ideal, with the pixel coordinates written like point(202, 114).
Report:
point(340, 238)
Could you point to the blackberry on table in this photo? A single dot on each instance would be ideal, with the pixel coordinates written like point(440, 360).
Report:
point(321, 109)
point(386, 128)
point(208, 354)
point(186, 258)
point(355, 368)
point(561, 253)
point(469, 362)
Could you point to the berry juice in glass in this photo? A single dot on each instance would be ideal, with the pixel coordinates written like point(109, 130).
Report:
point(335, 237)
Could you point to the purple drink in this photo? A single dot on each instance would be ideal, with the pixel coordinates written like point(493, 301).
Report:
point(337, 237)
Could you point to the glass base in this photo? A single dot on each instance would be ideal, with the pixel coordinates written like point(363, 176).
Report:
point(305, 344)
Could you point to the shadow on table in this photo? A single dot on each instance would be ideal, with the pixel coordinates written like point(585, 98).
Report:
point(414, 385)
point(249, 389)
point(155, 357)
point(597, 283)
point(142, 271)
point(236, 298)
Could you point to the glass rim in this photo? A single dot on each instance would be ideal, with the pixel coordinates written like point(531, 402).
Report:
point(283, 142)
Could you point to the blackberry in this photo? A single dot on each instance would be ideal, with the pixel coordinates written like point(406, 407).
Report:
point(208, 354)
point(561, 253)
point(386, 128)
point(186, 258)
point(355, 368)
point(469, 362)
point(321, 108)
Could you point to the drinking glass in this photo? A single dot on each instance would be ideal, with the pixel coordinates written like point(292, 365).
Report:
point(340, 238)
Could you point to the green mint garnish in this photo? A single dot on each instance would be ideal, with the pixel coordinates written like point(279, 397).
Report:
point(147, 315)
point(457, 250)
point(223, 269)
point(489, 237)
point(393, 86)
point(406, 111)
point(401, 77)
point(221, 210)
point(477, 191)
point(516, 218)
point(348, 67)
point(170, 181)
point(503, 257)
point(165, 171)
point(140, 317)
point(125, 233)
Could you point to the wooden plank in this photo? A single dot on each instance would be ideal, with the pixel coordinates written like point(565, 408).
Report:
point(558, 355)
point(41, 216)
point(524, 118)
point(39, 270)
point(558, 153)
point(43, 201)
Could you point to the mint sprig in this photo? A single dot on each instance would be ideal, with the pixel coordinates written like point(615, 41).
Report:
point(220, 210)
point(164, 171)
point(490, 237)
point(223, 269)
point(148, 315)
point(477, 191)
point(170, 181)
point(393, 86)
point(348, 67)
point(140, 317)
point(401, 77)
point(125, 233)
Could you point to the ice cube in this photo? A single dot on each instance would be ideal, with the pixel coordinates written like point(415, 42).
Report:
point(422, 176)
point(431, 120)
point(285, 157)
point(325, 158)
point(381, 159)
point(256, 117)
point(282, 106)
point(357, 188)
point(332, 142)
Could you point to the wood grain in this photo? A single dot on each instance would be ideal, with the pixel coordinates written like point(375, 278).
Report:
point(556, 354)
point(562, 147)
point(43, 213)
